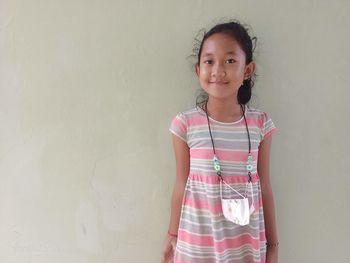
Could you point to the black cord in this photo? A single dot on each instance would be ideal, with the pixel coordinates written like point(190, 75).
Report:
point(211, 136)
point(246, 125)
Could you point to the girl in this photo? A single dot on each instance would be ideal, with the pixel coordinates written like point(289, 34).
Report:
point(222, 204)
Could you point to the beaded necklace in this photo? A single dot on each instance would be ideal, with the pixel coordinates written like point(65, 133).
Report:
point(216, 162)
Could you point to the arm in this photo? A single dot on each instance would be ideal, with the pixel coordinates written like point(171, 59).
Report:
point(182, 156)
point(267, 197)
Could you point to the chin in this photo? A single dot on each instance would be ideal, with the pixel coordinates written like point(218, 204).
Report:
point(222, 96)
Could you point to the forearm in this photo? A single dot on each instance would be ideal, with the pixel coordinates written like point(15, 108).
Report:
point(176, 204)
point(269, 215)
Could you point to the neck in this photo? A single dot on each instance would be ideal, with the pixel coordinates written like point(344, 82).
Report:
point(224, 110)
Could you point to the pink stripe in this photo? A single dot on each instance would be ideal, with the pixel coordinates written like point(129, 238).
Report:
point(193, 239)
point(237, 242)
point(223, 154)
point(214, 209)
point(262, 235)
point(270, 132)
point(221, 246)
point(214, 179)
point(198, 120)
point(177, 260)
point(203, 204)
point(177, 123)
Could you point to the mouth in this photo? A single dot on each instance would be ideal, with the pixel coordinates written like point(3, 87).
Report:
point(219, 82)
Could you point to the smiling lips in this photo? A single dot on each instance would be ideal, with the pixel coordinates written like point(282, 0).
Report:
point(219, 82)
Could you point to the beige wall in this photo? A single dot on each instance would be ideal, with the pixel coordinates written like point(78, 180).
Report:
point(88, 89)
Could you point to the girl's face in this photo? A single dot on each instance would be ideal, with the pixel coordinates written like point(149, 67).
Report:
point(222, 67)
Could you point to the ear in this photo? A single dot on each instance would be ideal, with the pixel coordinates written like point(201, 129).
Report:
point(197, 69)
point(249, 70)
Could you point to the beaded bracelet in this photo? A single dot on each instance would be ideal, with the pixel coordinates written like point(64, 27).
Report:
point(272, 244)
point(172, 235)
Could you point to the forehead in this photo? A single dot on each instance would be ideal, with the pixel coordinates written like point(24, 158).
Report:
point(220, 44)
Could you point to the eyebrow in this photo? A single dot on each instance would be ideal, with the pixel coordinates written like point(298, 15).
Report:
point(229, 52)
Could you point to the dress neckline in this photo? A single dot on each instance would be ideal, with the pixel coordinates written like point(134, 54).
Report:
point(199, 109)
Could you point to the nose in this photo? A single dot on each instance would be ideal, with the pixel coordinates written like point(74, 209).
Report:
point(218, 70)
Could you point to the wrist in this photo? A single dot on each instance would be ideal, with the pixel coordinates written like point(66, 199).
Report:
point(171, 234)
point(272, 245)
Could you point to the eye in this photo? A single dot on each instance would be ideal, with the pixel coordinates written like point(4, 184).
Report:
point(208, 61)
point(231, 60)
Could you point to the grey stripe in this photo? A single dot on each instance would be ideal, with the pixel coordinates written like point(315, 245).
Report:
point(242, 254)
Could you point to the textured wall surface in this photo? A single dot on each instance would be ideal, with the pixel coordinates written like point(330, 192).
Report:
point(87, 92)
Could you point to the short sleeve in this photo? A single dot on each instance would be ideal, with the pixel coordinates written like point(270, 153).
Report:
point(268, 127)
point(178, 126)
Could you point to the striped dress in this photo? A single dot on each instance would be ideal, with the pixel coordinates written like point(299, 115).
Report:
point(204, 235)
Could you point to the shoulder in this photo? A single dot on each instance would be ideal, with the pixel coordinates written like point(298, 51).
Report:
point(263, 120)
point(255, 112)
point(182, 122)
point(189, 113)
point(258, 114)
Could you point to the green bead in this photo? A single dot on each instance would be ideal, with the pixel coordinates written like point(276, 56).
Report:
point(249, 167)
point(216, 164)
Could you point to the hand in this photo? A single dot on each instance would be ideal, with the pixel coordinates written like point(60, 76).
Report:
point(168, 251)
point(272, 255)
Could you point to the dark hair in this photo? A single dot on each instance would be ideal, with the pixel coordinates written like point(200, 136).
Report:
point(240, 33)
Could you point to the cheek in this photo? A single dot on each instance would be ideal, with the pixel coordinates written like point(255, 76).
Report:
point(236, 73)
point(205, 72)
